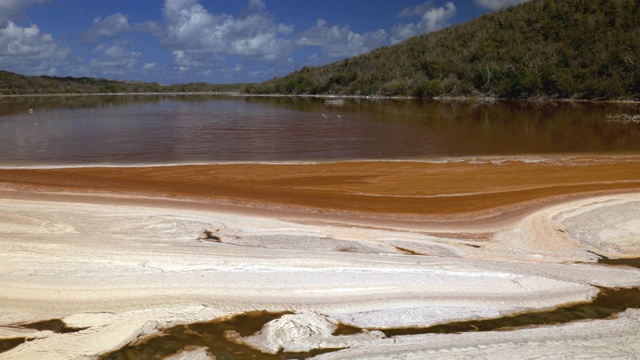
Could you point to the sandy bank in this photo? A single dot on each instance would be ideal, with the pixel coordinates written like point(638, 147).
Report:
point(121, 271)
point(465, 192)
point(121, 253)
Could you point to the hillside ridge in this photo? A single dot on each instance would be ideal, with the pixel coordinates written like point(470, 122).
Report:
point(543, 48)
point(553, 49)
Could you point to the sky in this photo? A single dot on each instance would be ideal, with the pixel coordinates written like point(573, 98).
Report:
point(214, 41)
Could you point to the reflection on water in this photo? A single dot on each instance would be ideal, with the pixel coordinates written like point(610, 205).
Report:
point(202, 129)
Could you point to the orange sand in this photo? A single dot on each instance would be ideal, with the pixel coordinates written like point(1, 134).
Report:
point(415, 190)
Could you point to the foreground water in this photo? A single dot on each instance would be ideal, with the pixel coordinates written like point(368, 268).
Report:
point(130, 130)
point(212, 335)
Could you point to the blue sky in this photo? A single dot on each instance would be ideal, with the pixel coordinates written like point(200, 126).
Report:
point(215, 41)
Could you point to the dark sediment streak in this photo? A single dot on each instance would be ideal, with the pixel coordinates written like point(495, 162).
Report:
point(608, 303)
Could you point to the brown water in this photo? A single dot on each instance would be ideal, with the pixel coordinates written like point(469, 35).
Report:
point(211, 335)
point(634, 262)
point(607, 304)
point(208, 129)
point(8, 344)
point(55, 325)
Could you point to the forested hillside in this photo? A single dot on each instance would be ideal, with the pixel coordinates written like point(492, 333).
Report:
point(586, 49)
point(14, 84)
point(583, 49)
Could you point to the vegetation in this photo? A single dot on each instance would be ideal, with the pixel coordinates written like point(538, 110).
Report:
point(585, 49)
point(14, 84)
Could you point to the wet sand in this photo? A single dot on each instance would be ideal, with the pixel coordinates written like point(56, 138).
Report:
point(475, 189)
point(121, 253)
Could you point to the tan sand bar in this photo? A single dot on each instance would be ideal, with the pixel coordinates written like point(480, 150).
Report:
point(117, 253)
point(422, 188)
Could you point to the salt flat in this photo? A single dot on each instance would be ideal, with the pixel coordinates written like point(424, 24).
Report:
point(119, 266)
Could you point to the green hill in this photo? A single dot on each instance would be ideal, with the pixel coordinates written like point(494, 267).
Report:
point(585, 49)
point(14, 84)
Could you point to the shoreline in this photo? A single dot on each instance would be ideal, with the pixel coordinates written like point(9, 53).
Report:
point(558, 159)
point(231, 93)
point(123, 253)
point(441, 98)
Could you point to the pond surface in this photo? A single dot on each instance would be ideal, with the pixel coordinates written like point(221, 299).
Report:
point(135, 130)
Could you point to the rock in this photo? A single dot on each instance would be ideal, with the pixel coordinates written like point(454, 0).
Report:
point(301, 332)
point(294, 333)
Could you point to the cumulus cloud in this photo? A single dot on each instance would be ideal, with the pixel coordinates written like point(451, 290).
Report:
point(27, 50)
point(339, 41)
point(108, 27)
point(431, 19)
point(183, 61)
point(149, 66)
point(499, 4)
point(114, 60)
point(193, 29)
point(150, 27)
point(417, 10)
point(10, 8)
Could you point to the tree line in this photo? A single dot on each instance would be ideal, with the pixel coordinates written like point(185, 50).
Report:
point(15, 84)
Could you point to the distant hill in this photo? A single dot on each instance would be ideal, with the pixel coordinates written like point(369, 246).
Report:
point(14, 84)
point(585, 49)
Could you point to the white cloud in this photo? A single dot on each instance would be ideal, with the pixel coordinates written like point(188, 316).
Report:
point(149, 66)
point(260, 73)
point(150, 27)
point(191, 28)
point(78, 69)
point(432, 19)
point(114, 60)
point(499, 4)
point(9, 8)
point(437, 18)
point(99, 48)
point(114, 52)
point(256, 6)
point(417, 10)
point(28, 51)
point(357, 44)
point(108, 27)
point(319, 34)
point(183, 61)
point(339, 41)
